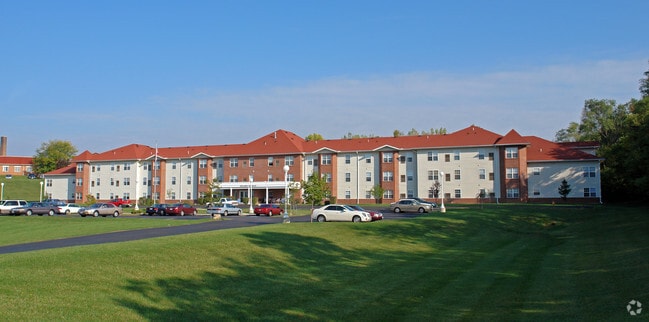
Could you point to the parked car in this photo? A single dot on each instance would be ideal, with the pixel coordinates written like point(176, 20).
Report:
point(157, 209)
point(224, 209)
point(268, 209)
point(434, 204)
point(410, 205)
point(34, 208)
point(339, 213)
point(375, 214)
point(7, 205)
point(101, 209)
point(68, 208)
point(31, 176)
point(180, 209)
point(224, 201)
point(119, 202)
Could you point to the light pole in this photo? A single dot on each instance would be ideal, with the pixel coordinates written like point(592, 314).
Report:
point(250, 179)
point(40, 198)
point(2, 193)
point(442, 208)
point(286, 216)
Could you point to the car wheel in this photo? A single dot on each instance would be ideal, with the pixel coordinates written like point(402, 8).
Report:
point(397, 210)
point(29, 212)
point(322, 218)
point(194, 213)
point(421, 210)
point(182, 213)
point(116, 213)
point(51, 213)
point(356, 219)
point(67, 212)
point(239, 213)
point(95, 214)
point(225, 213)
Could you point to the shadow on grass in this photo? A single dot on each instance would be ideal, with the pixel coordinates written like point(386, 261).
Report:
point(494, 264)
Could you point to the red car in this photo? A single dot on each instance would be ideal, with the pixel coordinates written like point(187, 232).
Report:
point(180, 209)
point(375, 214)
point(268, 210)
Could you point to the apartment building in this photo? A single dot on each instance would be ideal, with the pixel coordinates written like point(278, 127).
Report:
point(467, 166)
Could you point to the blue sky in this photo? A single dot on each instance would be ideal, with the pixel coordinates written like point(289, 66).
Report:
point(103, 74)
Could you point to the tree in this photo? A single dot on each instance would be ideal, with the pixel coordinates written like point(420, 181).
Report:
point(570, 134)
point(413, 132)
point(53, 155)
point(377, 192)
point(644, 85)
point(314, 137)
point(397, 133)
point(564, 189)
point(315, 189)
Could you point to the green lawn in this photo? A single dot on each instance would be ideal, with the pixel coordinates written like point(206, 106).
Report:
point(19, 187)
point(497, 263)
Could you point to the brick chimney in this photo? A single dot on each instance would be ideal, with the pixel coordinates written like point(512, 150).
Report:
point(3, 146)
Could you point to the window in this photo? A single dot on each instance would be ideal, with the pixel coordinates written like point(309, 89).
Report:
point(290, 177)
point(410, 176)
point(327, 177)
point(234, 163)
point(126, 196)
point(251, 162)
point(512, 173)
point(481, 155)
point(189, 165)
point(5, 168)
point(202, 180)
point(589, 172)
point(512, 193)
point(368, 176)
point(456, 155)
point(112, 167)
point(127, 181)
point(348, 159)
point(511, 153)
point(388, 176)
point(156, 166)
point(145, 167)
point(388, 194)
point(491, 176)
point(348, 177)
point(410, 194)
point(458, 193)
point(189, 196)
point(536, 171)
point(447, 157)
point(536, 192)
point(432, 156)
point(156, 181)
point(368, 159)
point(189, 179)
point(457, 175)
point(173, 195)
point(387, 157)
point(270, 161)
point(368, 194)
point(402, 158)
point(270, 177)
point(348, 194)
point(79, 167)
point(482, 174)
point(173, 166)
point(98, 182)
point(326, 159)
point(173, 180)
point(144, 181)
point(433, 175)
point(48, 182)
point(491, 156)
point(80, 182)
point(403, 178)
point(127, 166)
point(202, 163)
point(234, 178)
point(112, 182)
point(590, 192)
point(118, 166)
point(116, 183)
point(409, 158)
point(447, 177)
point(288, 160)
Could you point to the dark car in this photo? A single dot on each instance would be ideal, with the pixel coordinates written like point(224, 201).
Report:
point(157, 209)
point(180, 209)
point(375, 214)
point(35, 208)
point(268, 209)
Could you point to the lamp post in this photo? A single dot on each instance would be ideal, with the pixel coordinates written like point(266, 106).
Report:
point(40, 198)
point(250, 179)
point(442, 208)
point(2, 193)
point(286, 216)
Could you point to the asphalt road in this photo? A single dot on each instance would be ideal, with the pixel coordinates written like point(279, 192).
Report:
point(122, 236)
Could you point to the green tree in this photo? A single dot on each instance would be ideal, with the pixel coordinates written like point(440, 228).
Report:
point(315, 189)
point(570, 134)
point(564, 189)
point(413, 132)
point(377, 192)
point(314, 137)
point(53, 155)
point(644, 85)
point(397, 133)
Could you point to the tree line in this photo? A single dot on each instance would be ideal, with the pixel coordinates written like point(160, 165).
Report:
point(622, 130)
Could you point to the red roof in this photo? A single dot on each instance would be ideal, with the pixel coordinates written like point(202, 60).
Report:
point(544, 150)
point(15, 160)
point(70, 169)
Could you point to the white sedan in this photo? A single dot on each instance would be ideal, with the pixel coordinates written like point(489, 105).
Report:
point(224, 209)
point(68, 208)
point(339, 213)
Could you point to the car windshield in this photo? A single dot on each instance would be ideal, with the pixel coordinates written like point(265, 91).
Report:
point(97, 205)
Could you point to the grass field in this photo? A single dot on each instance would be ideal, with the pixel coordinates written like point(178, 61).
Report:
point(497, 263)
point(19, 187)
